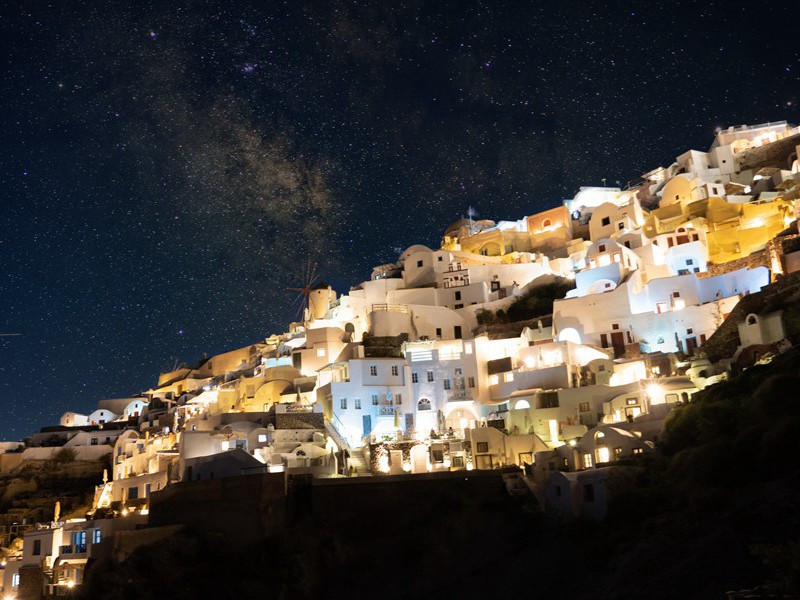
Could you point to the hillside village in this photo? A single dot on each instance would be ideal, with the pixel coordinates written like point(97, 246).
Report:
point(550, 350)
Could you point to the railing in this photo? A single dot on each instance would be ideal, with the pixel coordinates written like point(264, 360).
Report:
point(385, 410)
point(460, 396)
point(398, 308)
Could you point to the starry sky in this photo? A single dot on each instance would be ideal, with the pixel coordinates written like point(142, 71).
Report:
point(167, 167)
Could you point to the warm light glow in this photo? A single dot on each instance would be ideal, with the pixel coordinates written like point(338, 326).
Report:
point(383, 463)
point(573, 443)
point(553, 425)
point(70, 584)
point(124, 512)
point(603, 455)
point(678, 304)
point(656, 393)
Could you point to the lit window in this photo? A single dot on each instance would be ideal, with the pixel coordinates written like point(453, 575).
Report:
point(494, 380)
point(320, 351)
point(483, 447)
point(15, 580)
point(631, 401)
point(97, 536)
point(262, 438)
point(583, 407)
point(508, 377)
point(587, 461)
point(225, 445)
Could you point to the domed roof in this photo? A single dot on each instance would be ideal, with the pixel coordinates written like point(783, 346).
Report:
point(456, 225)
point(413, 250)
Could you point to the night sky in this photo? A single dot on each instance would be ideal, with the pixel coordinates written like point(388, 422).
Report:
point(166, 167)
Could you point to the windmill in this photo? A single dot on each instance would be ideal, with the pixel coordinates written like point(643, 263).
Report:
point(301, 300)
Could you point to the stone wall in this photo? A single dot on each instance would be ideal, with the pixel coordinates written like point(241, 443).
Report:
point(783, 294)
point(775, 154)
point(299, 420)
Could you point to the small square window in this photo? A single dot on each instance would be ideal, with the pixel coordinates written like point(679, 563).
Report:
point(601, 248)
point(373, 370)
point(430, 376)
point(414, 377)
point(320, 351)
point(438, 332)
point(439, 258)
point(262, 438)
point(605, 221)
point(689, 331)
point(483, 447)
point(343, 403)
point(394, 370)
point(419, 263)
point(583, 407)
point(357, 403)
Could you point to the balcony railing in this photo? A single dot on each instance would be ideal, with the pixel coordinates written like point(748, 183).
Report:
point(385, 410)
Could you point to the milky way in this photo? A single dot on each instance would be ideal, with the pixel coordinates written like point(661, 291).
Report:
point(167, 167)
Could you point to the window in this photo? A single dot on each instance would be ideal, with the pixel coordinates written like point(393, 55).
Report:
point(320, 352)
point(15, 580)
point(446, 383)
point(394, 370)
point(438, 332)
point(398, 398)
point(583, 407)
point(689, 331)
point(587, 461)
point(374, 399)
point(615, 326)
point(601, 248)
point(483, 447)
point(636, 451)
point(419, 263)
point(676, 294)
point(471, 382)
point(343, 403)
point(373, 370)
point(37, 547)
point(424, 404)
point(617, 452)
point(546, 223)
point(457, 306)
point(507, 377)
point(439, 258)
point(133, 493)
point(467, 348)
point(94, 442)
point(262, 438)
point(414, 377)
point(631, 401)
point(621, 225)
point(357, 403)
point(457, 461)
point(97, 536)
point(458, 296)
point(430, 376)
point(605, 221)
point(457, 332)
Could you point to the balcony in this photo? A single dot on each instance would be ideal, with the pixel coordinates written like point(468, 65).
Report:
point(72, 549)
point(385, 410)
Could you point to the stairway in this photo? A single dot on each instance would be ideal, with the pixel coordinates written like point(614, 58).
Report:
point(358, 462)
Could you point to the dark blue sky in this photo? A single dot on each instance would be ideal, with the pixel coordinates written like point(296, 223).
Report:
point(167, 166)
